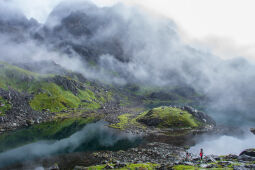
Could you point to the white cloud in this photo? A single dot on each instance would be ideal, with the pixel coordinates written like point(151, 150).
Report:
point(220, 20)
point(38, 9)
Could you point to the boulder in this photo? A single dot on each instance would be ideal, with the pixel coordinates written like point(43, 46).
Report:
point(119, 165)
point(248, 152)
point(245, 158)
point(200, 116)
point(151, 121)
point(252, 130)
point(54, 167)
point(108, 167)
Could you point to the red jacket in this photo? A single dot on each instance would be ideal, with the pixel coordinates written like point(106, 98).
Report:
point(201, 153)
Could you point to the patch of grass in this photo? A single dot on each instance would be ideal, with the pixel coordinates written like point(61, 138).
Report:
point(89, 100)
point(56, 129)
point(148, 166)
point(124, 120)
point(18, 78)
point(184, 167)
point(4, 106)
point(128, 120)
point(54, 98)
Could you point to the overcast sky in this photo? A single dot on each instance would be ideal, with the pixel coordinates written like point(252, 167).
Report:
point(225, 26)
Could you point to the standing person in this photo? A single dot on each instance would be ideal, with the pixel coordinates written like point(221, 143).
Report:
point(201, 154)
point(187, 156)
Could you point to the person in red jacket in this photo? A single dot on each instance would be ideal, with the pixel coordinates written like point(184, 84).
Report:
point(201, 154)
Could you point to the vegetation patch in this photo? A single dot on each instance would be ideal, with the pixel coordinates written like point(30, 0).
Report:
point(148, 166)
point(4, 106)
point(48, 95)
point(56, 99)
point(18, 78)
point(127, 121)
point(169, 117)
point(124, 122)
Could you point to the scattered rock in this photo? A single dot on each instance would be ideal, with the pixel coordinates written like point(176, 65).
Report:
point(54, 167)
point(108, 167)
point(80, 168)
point(239, 167)
point(245, 158)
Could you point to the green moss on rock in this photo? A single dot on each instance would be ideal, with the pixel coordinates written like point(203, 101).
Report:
point(164, 117)
point(54, 98)
point(124, 122)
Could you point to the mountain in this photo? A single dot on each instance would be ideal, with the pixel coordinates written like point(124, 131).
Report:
point(131, 49)
point(27, 96)
point(67, 83)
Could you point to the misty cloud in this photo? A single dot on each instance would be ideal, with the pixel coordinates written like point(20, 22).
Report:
point(223, 145)
point(127, 44)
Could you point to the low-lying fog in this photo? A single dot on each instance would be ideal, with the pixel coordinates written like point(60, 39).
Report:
point(92, 137)
point(224, 145)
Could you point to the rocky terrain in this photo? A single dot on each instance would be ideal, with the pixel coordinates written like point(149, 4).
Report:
point(169, 157)
point(65, 103)
point(102, 68)
point(152, 155)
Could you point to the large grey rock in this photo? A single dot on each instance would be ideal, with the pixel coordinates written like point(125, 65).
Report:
point(252, 130)
point(200, 116)
point(248, 152)
point(151, 121)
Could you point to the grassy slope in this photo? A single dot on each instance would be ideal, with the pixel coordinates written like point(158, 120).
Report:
point(48, 95)
point(18, 78)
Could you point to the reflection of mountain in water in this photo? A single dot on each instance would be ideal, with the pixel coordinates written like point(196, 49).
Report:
point(92, 137)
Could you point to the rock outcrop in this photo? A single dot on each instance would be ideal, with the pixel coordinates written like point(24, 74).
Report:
point(68, 84)
point(174, 117)
point(252, 130)
point(200, 116)
point(248, 152)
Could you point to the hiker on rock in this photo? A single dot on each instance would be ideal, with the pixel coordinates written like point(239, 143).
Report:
point(201, 154)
